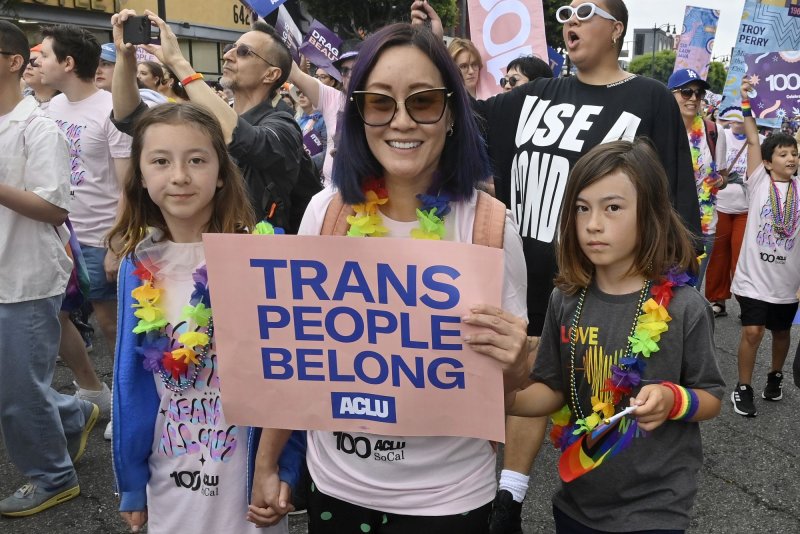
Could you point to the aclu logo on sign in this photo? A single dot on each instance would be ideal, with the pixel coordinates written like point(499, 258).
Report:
point(363, 406)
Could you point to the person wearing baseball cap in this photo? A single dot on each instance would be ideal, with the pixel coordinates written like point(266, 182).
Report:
point(105, 70)
point(689, 89)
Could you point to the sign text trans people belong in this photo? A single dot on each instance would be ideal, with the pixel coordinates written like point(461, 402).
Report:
point(362, 335)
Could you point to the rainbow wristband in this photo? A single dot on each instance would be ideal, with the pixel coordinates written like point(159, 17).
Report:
point(695, 405)
point(686, 404)
point(678, 399)
point(746, 110)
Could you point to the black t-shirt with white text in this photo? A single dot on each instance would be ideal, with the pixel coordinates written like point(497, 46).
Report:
point(537, 132)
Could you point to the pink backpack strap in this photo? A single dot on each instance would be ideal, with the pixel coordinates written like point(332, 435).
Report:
point(490, 221)
point(335, 221)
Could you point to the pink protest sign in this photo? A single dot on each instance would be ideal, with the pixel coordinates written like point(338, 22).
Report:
point(361, 335)
point(503, 30)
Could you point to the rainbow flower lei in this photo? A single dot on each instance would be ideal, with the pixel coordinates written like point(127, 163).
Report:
point(177, 363)
point(367, 221)
point(708, 193)
point(627, 374)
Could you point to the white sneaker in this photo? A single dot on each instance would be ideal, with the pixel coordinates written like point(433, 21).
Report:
point(101, 398)
point(107, 432)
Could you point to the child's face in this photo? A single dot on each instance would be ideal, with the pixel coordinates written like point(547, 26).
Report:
point(784, 163)
point(606, 223)
point(180, 171)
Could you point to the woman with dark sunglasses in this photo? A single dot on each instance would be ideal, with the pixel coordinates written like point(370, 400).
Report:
point(535, 135)
point(32, 76)
point(524, 69)
point(408, 135)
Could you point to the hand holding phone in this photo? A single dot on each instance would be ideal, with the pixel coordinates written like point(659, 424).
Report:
point(136, 30)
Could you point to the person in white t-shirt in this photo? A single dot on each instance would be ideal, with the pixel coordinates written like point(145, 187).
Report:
point(99, 155)
point(408, 136)
point(44, 431)
point(768, 273)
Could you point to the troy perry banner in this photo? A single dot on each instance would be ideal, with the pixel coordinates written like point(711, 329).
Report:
point(321, 45)
point(767, 26)
point(362, 335)
point(697, 40)
point(775, 77)
point(503, 30)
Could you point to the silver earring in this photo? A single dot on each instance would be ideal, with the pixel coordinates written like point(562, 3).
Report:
point(450, 129)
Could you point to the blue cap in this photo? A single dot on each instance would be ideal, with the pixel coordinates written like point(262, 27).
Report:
point(682, 77)
point(108, 52)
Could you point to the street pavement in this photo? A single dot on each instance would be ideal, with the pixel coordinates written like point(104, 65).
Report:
point(750, 482)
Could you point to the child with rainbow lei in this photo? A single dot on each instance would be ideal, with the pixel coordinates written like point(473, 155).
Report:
point(768, 273)
point(625, 396)
point(179, 465)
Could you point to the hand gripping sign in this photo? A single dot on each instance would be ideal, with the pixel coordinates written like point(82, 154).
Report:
point(362, 335)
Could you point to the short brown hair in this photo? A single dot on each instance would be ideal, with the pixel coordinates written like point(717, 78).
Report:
point(232, 212)
point(662, 240)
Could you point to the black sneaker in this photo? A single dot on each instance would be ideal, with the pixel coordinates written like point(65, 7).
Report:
point(506, 515)
point(742, 398)
point(774, 389)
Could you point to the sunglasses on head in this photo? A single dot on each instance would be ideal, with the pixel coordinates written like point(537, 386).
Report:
point(687, 92)
point(243, 50)
point(582, 12)
point(512, 81)
point(424, 107)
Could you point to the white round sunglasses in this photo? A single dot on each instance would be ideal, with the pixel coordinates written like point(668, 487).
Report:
point(582, 12)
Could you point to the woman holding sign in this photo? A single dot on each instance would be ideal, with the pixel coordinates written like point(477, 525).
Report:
point(409, 160)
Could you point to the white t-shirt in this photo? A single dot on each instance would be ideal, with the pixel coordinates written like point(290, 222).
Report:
point(94, 144)
point(198, 464)
point(33, 157)
point(331, 102)
point(414, 475)
point(769, 265)
point(733, 198)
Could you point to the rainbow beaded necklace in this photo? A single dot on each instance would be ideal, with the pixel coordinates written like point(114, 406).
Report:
point(367, 222)
point(784, 221)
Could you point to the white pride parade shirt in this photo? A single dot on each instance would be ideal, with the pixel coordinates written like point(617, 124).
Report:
point(428, 476)
point(769, 265)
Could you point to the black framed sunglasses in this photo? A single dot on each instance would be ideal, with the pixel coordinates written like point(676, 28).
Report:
point(346, 71)
point(242, 50)
point(424, 107)
point(512, 81)
point(32, 62)
point(687, 92)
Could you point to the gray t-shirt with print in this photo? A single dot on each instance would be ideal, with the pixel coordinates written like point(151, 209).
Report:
point(652, 483)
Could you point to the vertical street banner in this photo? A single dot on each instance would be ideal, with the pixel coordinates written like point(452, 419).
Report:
point(503, 30)
point(697, 39)
point(289, 32)
point(767, 26)
point(263, 7)
point(775, 77)
point(360, 335)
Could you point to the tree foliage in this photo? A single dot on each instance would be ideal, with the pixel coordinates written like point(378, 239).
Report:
point(357, 18)
point(664, 63)
point(717, 73)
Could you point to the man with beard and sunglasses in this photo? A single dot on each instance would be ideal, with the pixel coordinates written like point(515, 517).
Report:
point(260, 130)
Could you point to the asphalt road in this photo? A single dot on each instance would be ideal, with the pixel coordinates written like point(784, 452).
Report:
point(750, 481)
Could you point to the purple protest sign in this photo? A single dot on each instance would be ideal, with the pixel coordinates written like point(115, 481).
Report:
point(775, 77)
point(263, 7)
point(321, 45)
point(312, 143)
point(289, 32)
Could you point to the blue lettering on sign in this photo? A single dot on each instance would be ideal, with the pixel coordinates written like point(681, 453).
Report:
point(363, 406)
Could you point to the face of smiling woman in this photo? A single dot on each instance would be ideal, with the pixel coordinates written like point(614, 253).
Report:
point(407, 151)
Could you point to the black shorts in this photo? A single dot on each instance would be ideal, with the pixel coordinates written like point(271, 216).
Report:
point(776, 317)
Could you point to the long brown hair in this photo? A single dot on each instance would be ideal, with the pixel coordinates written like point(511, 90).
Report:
point(662, 240)
point(232, 210)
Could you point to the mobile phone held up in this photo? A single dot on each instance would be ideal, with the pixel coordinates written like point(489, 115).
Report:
point(136, 30)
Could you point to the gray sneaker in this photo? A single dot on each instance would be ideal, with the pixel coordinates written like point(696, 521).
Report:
point(31, 499)
point(76, 444)
point(101, 398)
